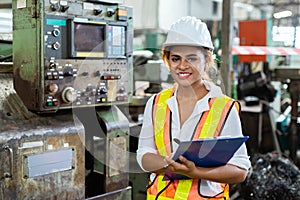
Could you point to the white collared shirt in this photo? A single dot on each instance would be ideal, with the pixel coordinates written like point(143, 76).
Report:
point(232, 127)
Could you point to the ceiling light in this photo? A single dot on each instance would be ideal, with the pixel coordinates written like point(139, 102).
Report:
point(282, 14)
point(246, 6)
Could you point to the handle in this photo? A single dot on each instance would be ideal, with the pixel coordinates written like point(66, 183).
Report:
point(10, 157)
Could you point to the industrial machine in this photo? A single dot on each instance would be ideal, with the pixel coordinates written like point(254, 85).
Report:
point(72, 53)
point(72, 68)
point(38, 162)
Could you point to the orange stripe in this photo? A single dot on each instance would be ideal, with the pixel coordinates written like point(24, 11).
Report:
point(170, 191)
point(225, 112)
point(237, 106)
point(194, 195)
point(202, 121)
point(154, 109)
point(153, 188)
point(200, 125)
point(167, 132)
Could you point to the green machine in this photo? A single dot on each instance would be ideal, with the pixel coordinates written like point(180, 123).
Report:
point(70, 54)
point(75, 57)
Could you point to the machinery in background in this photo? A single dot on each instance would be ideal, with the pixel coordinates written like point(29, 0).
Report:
point(5, 50)
point(291, 73)
point(150, 76)
point(39, 162)
point(41, 156)
point(72, 53)
point(107, 153)
point(72, 67)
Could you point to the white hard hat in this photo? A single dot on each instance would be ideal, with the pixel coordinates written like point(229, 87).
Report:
point(189, 31)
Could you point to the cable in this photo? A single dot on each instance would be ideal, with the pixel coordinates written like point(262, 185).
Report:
point(278, 112)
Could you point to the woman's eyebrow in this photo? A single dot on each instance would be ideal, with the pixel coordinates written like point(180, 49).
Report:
point(189, 55)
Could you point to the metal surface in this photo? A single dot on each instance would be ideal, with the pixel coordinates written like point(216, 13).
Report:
point(47, 163)
point(6, 67)
point(287, 72)
point(43, 156)
point(21, 139)
point(71, 54)
point(107, 148)
point(25, 136)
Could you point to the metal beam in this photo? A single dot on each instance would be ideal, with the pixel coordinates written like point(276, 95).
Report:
point(226, 38)
point(6, 5)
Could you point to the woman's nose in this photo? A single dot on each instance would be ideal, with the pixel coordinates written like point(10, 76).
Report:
point(184, 63)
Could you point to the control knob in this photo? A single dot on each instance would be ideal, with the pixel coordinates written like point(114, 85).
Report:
point(56, 45)
point(110, 12)
point(68, 95)
point(52, 88)
point(102, 90)
point(56, 32)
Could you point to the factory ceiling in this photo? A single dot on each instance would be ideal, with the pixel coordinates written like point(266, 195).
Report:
point(277, 6)
point(267, 6)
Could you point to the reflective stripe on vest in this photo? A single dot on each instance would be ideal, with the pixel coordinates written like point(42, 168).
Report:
point(161, 114)
point(210, 125)
point(212, 121)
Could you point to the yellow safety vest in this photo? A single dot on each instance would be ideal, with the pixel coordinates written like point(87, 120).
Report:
point(209, 125)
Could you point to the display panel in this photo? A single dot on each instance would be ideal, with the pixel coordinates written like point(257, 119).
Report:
point(116, 41)
point(88, 40)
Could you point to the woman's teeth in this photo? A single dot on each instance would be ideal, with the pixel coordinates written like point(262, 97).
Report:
point(184, 74)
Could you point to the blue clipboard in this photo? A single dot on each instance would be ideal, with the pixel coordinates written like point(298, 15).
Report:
point(211, 152)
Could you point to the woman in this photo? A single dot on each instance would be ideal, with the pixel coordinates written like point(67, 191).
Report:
point(183, 112)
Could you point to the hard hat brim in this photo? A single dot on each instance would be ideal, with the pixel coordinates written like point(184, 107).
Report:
point(166, 45)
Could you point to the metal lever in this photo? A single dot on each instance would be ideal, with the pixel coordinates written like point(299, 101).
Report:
point(10, 156)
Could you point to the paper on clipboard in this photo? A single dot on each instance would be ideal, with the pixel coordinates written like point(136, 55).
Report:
point(211, 152)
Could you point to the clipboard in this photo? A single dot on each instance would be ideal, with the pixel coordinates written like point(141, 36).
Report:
point(209, 152)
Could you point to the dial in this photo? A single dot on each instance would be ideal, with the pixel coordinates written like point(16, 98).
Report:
point(69, 95)
point(56, 32)
point(52, 88)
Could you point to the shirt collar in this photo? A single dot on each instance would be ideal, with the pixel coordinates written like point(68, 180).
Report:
point(202, 104)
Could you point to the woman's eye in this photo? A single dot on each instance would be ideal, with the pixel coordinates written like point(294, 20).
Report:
point(191, 59)
point(175, 59)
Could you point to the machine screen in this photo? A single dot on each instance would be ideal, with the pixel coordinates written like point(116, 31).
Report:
point(116, 40)
point(89, 37)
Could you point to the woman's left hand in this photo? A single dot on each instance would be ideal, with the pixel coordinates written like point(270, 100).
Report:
point(184, 167)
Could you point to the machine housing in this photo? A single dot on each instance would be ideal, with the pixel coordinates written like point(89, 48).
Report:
point(70, 54)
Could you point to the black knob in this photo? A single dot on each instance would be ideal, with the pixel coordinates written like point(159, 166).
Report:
point(52, 65)
point(102, 90)
point(110, 13)
point(97, 11)
point(54, 6)
point(64, 8)
point(68, 71)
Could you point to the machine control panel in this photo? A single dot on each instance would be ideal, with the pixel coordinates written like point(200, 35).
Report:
point(73, 54)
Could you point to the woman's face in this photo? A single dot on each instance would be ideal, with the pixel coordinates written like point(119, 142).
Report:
point(186, 64)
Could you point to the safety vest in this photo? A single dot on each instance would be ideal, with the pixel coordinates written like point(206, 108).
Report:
point(209, 125)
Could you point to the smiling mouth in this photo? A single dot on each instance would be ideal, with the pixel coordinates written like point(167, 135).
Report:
point(183, 75)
